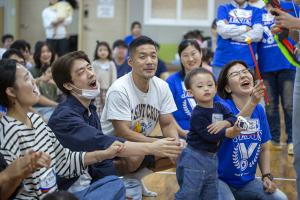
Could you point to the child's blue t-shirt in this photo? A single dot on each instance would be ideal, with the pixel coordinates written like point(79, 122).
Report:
point(239, 156)
point(270, 58)
point(228, 49)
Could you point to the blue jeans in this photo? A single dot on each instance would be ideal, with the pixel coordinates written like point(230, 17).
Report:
point(196, 174)
point(251, 191)
point(280, 84)
point(296, 128)
point(107, 188)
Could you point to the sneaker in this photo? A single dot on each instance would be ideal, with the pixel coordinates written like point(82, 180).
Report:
point(291, 149)
point(276, 145)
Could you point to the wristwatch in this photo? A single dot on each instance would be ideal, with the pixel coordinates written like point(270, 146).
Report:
point(268, 175)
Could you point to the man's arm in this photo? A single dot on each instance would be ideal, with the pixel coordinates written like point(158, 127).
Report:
point(168, 126)
point(255, 34)
point(122, 129)
point(228, 31)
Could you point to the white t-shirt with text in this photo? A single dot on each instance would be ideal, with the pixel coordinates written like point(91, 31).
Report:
point(124, 101)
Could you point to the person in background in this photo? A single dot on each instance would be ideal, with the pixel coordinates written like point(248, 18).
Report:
point(43, 55)
point(279, 76)
point(293, 23)
point(105, 70)
point(236, 21)
point(207, 56)
point(24, 47)
point(162, 71)
point(257, 3)
point(56, 17)
point(120, 50)
point(136, 31)
point(190, 58)
point(46, 85)
point(7, 40)
point(239, 157)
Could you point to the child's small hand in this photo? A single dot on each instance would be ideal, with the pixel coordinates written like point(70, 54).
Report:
point(236, 129)
point(214, 128)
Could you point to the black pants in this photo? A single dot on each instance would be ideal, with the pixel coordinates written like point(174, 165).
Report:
point(60, 46)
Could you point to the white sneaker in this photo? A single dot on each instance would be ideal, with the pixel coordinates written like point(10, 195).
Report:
point(290, 149)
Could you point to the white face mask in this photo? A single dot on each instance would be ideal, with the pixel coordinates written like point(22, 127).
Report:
point(88, 94)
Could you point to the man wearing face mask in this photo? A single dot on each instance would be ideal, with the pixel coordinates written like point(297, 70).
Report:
point(77, 126)
point(236, 21)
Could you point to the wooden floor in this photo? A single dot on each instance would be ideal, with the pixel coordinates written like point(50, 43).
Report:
point(165, 183)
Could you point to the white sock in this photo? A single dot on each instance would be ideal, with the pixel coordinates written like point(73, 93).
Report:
point(146, 192)
point(139, 175)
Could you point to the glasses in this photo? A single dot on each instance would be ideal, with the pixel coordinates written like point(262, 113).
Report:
point(241, 72)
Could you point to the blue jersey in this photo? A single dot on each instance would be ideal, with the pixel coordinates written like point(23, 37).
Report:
point(238, 157)
point(228, 49)
point(268, 49)
point(184, 102)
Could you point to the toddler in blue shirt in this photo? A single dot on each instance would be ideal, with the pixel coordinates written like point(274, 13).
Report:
point(210, 123)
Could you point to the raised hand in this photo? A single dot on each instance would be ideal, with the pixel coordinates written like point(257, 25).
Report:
point(258, 92)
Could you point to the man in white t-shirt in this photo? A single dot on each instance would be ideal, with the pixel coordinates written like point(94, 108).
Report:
point(137, 101)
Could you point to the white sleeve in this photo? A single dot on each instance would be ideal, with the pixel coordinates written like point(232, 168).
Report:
point(68, 21)
point(47, 20)
point(255, 34)
point(168, 104)
point(118, 106)
point(227, 31)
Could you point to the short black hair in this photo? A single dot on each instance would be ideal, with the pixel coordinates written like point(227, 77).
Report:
point(8, 68)
point(135, 23)
point(119, 43)
point(61, 68)
point(60, 195)
point(223, 78)
point(38, 51)
point(20, 45)
point(194, 72)
point(142, 40)
point(183, 45)
point(102, 43)
point(6, 36)
point(9, 52)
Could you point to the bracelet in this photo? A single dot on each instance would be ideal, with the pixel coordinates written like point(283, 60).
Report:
point(268, 175)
